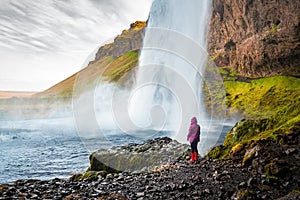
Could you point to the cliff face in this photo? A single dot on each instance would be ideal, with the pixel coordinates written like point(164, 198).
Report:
point(256, 37)
point(129, 40)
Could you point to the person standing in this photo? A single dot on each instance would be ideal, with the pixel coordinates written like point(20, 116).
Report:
point(193, 137)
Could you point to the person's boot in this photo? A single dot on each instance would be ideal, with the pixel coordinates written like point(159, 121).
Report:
point(192, 157)
point(196, 155)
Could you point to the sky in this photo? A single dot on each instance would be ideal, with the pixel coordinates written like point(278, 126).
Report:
point(44, 42)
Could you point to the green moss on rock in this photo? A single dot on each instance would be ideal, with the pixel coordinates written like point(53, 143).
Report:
point(88, 175)
point(218, 152)
point(249, 155)
point(244, 194)
point(276, 168)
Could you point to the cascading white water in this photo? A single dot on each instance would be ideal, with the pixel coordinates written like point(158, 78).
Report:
point(169, 81)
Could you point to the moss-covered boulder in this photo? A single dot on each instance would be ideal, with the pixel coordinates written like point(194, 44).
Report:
point(235, 143)
point(137, 157)
point(248, 137)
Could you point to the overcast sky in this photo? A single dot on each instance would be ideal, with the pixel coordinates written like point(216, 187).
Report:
point(43, 42)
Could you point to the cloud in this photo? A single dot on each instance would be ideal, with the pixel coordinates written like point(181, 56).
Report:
point(52, 28)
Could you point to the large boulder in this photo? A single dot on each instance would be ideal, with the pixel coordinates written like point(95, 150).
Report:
point(138, 157)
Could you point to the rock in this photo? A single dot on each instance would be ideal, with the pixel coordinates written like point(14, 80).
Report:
point(256, 38)
point(242, 185)
point(294, 195)
point(140, 194)
point(109, 176)
point(207, 191)
point(290, 151)
point(87, 175)
point(129, 40)
point(251, 182)
point(276, 168)
point(244, 194)
point(137, 157)
point(249, 155)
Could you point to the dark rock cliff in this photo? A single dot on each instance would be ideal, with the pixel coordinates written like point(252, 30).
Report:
point(256, 37)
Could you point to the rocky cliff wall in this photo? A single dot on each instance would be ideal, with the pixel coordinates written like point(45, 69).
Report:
point(256, 37)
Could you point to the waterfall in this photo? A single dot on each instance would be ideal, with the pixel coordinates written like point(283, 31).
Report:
point(168, 85)
point(167, 91)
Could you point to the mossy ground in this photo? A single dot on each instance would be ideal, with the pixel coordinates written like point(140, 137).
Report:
point(88, 175)
point(270, 105)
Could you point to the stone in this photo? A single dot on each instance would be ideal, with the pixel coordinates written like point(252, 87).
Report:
point(242, 185)
point(127, 41)
point(109, 176)
point(137, 158)
point(140, 194)
point(290, 151)
point(251, 182)
point(207, 191)
point(250, 154)
point(256, 38)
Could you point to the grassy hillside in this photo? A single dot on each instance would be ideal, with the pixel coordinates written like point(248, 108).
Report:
point(263, 97)
point(270, 106)
point(56, 101)
point(117, 69)
point(106, 69)
point(65, 87)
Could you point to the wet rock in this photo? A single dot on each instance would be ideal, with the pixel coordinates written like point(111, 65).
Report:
point(290, 151)
point(251, 182)
point(137, 157)
point(140, 194)
point(294, 195)
point(250, 154)
point(109, 176)
point(242, 185)
point(244, 194)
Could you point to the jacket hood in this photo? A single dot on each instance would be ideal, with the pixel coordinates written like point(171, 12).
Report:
point(194, 120)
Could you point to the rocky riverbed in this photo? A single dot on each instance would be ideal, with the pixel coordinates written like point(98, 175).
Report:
point(179, 179)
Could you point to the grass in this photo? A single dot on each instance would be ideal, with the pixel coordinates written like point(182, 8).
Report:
point(107, 69)
point(265, 97)
point(274, 28)
point(82, 80)
point(117, 69)
point(270, 106)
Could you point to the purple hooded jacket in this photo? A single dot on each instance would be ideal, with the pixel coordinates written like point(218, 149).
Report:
point(194, 131)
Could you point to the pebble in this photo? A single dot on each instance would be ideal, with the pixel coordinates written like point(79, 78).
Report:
point(140, 194)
